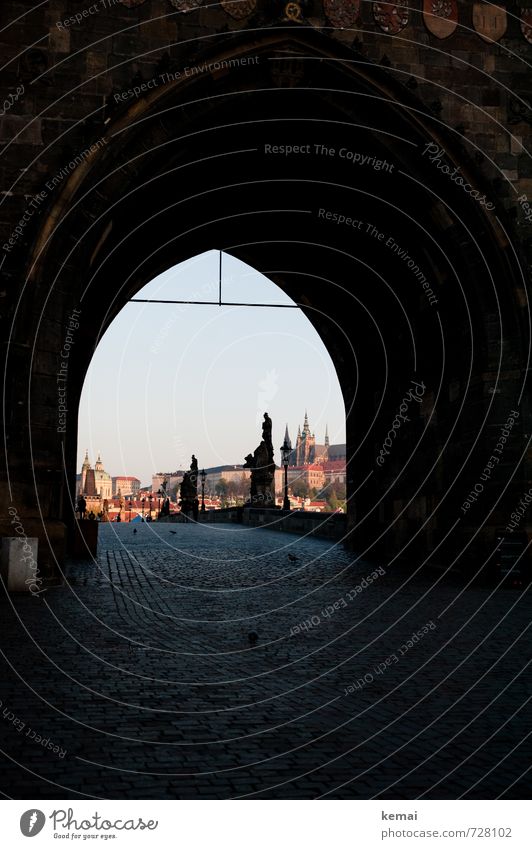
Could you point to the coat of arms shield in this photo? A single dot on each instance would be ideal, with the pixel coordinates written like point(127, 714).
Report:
point(186, 5)
point(342, 13)
point(490, 21)
point(526, 24)
point(239, 9)
point(441, 17)
point(391, 17)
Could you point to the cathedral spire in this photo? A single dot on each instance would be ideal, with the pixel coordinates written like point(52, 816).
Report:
point(287, 455)
point(306, 428)
point(327, 436)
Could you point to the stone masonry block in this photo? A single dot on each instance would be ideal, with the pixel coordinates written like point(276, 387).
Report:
point(19, 563)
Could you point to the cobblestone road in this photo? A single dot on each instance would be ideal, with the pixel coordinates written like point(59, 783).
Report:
point(139, 678)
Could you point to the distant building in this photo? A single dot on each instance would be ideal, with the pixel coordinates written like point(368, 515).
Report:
point(127, 485)
point(89, 490)
point(231, 474)
point(337, 452)
point(313, 476)
point(279, 481)
point(158, 479)
point(334, 472)
point(173, 479)
point(308, 452)
point(97, 480)
point(316, 506)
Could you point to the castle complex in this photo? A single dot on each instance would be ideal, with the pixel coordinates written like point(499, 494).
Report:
point(308, 452)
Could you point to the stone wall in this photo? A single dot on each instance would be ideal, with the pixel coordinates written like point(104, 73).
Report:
point(79, 74)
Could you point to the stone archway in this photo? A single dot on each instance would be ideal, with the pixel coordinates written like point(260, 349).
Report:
point(331, 178)
point(209, 346)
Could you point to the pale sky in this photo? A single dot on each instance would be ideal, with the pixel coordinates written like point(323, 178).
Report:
point(167, 380)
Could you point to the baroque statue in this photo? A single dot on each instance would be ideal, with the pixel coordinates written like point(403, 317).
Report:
point(262, 465)
point(189, 491)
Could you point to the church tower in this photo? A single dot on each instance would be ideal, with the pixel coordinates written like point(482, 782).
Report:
point(90, 485)
point(305, 445)
point(96, 483)
point(307, 452)
point(84, 469)
point(103, 480)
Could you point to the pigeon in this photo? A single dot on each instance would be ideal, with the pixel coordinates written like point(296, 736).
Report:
point(134, 530)
point(253, 637)
point(292, 558)
point(172, 532)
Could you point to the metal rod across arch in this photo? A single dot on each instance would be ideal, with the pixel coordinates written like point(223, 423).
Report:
point(218, 303)
point(215, 303)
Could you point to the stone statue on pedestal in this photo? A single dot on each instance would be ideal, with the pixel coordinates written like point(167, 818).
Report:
point(262, 465)
point(165, 506)
point(189, 491)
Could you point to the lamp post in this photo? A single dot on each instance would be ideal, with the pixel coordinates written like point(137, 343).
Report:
point(130, 506)
point(143, 502)
point(203, 477)
point(150, 501)
point(286, 450)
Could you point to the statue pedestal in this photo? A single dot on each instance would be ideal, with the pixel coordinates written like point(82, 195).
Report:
point(262, 465)
point(189, 493)
point(85, 541)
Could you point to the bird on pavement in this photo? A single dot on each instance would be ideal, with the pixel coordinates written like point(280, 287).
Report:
point(134, 530)
point(172, 532)
point(292, 558)
point(253, 637)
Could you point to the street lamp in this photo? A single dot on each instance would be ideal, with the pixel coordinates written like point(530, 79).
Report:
point(143, 502)
point(151, 499)
point(130, 506)
point(286, 450)
point(203, 476)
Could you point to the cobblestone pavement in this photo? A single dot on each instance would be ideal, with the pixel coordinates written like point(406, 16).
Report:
point(140, 677)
